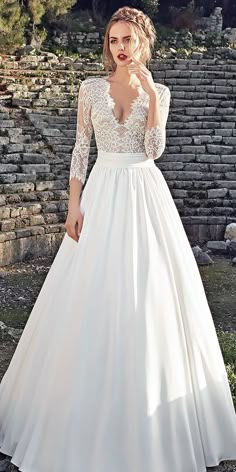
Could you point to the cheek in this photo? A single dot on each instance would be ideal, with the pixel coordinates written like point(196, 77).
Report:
point(134, 46)
point(112, 49)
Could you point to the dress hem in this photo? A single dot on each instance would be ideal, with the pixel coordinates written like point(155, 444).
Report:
point(217, 464)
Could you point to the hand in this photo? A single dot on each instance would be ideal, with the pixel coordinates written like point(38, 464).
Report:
point(143, 74)
point(74, 222)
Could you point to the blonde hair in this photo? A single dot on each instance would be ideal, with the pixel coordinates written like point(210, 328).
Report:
point(140, 24)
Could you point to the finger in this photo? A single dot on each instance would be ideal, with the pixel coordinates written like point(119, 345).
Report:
point(73, 233)
point(80, 226)
point(72, 236)
point(136, 61)
point(144, 69)
point(138, 71)
point(142, 76)
point(78, 229)
point(134, 69)
point(134, 66)
point(141, 66)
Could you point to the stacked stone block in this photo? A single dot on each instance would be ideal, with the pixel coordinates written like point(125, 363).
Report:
point(38, 111)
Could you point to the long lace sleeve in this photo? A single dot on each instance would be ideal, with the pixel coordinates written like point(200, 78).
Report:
point(84, 129)
point(155, 137)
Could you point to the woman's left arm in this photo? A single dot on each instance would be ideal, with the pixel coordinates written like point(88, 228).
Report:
point(155, 131)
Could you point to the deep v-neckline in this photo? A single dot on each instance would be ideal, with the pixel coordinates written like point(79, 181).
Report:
point(113, 104)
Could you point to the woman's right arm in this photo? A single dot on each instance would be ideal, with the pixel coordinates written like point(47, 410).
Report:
point(79, 162)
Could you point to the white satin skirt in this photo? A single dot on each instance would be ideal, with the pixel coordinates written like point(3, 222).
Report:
point(119, 368)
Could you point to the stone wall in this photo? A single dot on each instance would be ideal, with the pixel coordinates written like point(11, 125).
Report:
point(212, 23)
point(38, 108)
point(205, 30)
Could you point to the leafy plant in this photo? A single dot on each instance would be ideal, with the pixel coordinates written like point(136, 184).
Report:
point(12, 25)
point(150, 7)
point(227, 343)
point(23, 20)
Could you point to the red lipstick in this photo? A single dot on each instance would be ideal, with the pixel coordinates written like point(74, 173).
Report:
point(122, 57)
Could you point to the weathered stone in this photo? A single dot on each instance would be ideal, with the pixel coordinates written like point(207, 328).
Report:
point(36, 220)
point(219, 149)
point(217, 246)
point(9, 123)
point(29, 247)
point(37, 230)
point(26, 177)
point(22, 233)
point(36, 142)
point(15, 212)
point(201, 257)
point(33, 158)
point(32, 168)
point(52, 228)
point(4, 140)
point(50, 208)
point(7, 236)
point(51, 132)
point(217, 193)
point(14, 147)
point(4, 213)
point(12, 188)
point(40, 102)
point(51, 218)
point(7, 178)
point(7, 225)
point(22, 222)
point(230, 231)
point(232, 247)
point(2, 200)
point(55, 184)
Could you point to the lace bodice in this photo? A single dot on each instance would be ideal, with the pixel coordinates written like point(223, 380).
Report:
point(95, 112)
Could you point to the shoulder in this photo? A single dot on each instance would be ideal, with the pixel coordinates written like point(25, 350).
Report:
point(90, 82)
point(163, 90)
point(89, 85)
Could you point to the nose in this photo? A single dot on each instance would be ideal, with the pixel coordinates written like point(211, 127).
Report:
point(121, 46)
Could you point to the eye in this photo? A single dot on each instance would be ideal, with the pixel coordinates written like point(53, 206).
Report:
point(113, 41)
point(127, 39)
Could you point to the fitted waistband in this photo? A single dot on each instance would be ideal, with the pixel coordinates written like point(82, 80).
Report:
point(123, 159)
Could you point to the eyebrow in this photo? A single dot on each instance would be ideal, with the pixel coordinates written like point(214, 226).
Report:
point(114, 37)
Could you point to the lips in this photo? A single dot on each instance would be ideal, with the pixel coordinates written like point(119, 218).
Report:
point(122, 56)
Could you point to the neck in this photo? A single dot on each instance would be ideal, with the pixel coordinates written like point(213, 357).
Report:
point(121, 74)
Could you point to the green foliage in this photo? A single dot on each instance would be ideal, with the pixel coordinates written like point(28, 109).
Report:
point(231, 372)
point(228, 347)
point(213, 40)
point(164, 33)
point(39, 8)
point(36, 9)
point(12, 25)
point(59, 7)
point(150, 7)
point(19, 20)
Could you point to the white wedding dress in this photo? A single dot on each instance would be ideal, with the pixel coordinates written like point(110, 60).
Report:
point(119, 368)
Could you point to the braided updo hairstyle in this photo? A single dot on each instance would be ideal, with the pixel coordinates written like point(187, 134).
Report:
point(140, 24)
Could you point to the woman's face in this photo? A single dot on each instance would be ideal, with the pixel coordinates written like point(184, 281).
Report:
point(123, 44)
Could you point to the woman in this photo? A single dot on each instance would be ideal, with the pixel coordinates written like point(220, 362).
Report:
point(119, 368)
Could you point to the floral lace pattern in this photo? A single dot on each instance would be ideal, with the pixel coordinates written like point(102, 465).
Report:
point(79, 160)
point(96, 112)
